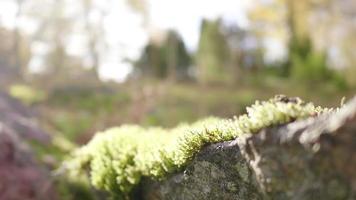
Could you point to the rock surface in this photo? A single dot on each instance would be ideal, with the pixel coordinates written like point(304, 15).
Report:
point(304, 160)
point(21, 120)
point(21, 177)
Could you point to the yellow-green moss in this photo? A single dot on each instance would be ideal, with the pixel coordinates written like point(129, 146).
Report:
point(118, 158)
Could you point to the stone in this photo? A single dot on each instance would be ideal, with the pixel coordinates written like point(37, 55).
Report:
point(21, 176)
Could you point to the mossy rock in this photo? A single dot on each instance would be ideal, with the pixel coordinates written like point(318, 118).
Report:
point(119, 159)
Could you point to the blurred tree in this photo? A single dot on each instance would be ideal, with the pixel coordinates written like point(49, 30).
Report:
point(14, 51)
point(18, 61)
point(246, 52)
point(348, 50)
point(305, 61)
point(15, 63)
point(178, 58)
point(51, 33)
point(213, 53)
point(95, 32)
point(235, 38)
point(150, 62)
point(269, 21)
point(300, 45)
point(335, 32)
point(166, 59)
point(6, 39)
point(56, 61)
point(58, 31)
point(54, 27)
point(290, 20)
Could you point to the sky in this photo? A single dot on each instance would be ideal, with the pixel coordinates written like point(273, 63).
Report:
point(125, 35)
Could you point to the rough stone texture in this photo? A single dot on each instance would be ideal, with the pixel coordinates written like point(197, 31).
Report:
point(218, 172)
point(304, 160)
point(21, 177)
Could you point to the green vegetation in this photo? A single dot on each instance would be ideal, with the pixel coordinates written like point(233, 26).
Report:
point(74, 111)
point(117, 159)
point(213, 53)
point(26, 94)
point(166, 59)
point(74, 188)
point(310, 66)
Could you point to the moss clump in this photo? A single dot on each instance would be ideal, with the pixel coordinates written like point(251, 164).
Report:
point(118, 158)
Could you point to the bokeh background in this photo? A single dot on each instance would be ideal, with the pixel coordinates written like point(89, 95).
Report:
point(89, 64)
point(86, 65)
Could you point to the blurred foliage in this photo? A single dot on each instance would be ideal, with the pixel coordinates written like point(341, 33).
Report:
point(311, 66)
point(74, 188)
point(26, 94)
point(83, 98)
point(166, 59)
point(78, 109)
point(71, 124)
point(212, 54)
point(307, 31)
point(78, 113)
point(306, 27)
point(15, 53)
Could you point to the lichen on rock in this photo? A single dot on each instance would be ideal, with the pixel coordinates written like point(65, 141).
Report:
point(119, 158)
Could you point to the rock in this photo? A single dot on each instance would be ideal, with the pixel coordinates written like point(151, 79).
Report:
point(22, 177)
point(219, 171)
point(21, 120)
point(303, 160)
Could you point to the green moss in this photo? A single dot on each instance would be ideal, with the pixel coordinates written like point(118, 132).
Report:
point(118, 158)
point(73, 188)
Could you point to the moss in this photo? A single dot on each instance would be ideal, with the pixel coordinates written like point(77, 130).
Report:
point(118, 158)
point(70, 188)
